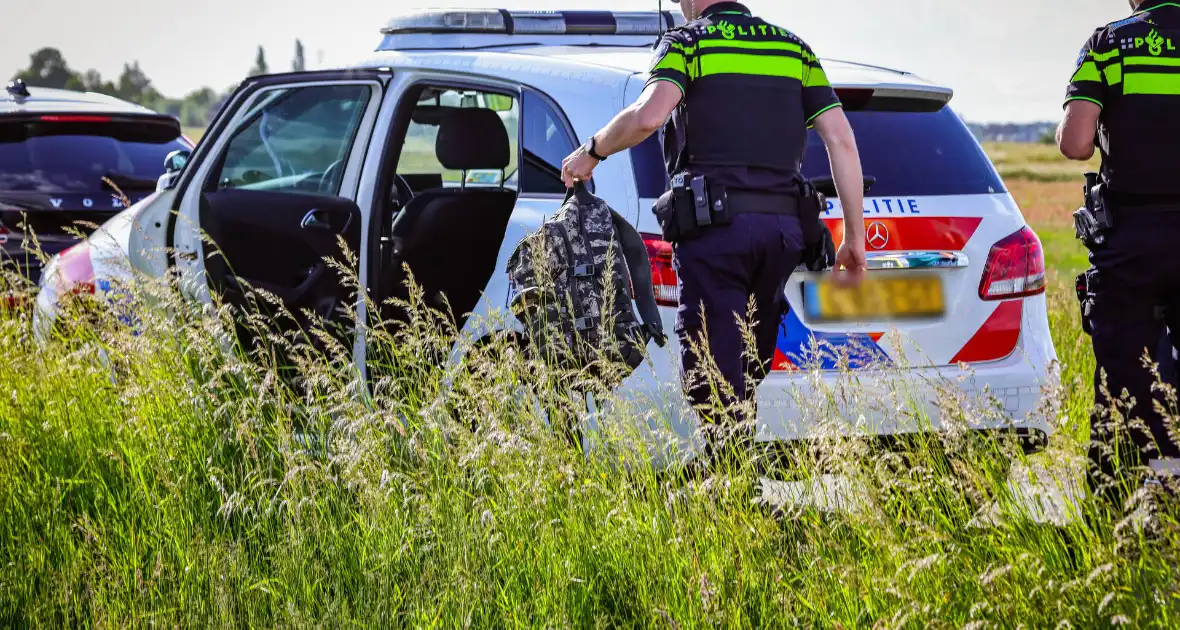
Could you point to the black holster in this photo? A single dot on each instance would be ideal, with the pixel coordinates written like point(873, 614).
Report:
point(692, 204)
point(1086, 285)
point(819, 250)
point(1094, 221)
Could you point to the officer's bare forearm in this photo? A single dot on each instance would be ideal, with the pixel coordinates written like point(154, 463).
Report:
point(846, 170)
point(1075, 135)
point(643, 118)
point(627, 130)
point(837, 135)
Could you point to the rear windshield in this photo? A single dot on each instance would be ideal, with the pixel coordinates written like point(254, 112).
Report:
point(39, 156)
point(909, 153)
point(928, 153)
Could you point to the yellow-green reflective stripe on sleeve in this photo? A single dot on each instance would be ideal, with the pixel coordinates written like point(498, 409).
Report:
point(1088, 72)
point(1106, 56)
point(1114, 74)
point(1148, 83)
point(671, 61)
point(762, 65)
point(1085, 98)
point(816, 77)
point(822, 112)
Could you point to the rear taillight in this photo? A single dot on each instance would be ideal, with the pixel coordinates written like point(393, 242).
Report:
point(1015, 268)
point(663, 274)
point(75, 271)
point(3, 234)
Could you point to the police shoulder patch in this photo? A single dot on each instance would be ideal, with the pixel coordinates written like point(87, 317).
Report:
point(1134, 19)
point(658, 54)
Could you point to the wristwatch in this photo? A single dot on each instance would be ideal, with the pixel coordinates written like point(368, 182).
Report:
point(591, 145)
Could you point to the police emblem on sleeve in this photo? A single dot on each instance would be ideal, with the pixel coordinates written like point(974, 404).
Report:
point(661, 50)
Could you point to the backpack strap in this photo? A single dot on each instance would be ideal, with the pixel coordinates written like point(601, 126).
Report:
point(581, 192)
point(638, 263)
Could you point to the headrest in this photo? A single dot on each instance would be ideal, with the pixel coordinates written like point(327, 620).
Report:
point(472, 138)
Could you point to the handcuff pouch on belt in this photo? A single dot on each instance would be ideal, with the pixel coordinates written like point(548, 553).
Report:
point(1093, 222)
point(692, 204)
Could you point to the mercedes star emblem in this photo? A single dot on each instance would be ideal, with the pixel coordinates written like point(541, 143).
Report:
point(877, 235)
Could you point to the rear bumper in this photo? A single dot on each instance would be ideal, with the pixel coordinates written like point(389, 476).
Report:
point(1001, 396)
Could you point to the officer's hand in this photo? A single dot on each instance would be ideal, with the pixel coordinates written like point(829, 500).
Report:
point(578, 166)
point(851, 264)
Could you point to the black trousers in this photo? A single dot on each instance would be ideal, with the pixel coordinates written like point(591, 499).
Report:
point(719, 272)
point(1138, 293)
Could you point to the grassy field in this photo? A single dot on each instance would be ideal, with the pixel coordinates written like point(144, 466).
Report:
point(149, 477)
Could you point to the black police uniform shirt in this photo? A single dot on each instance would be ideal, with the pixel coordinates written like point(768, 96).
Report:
point(1131, 69)
point(751, 91)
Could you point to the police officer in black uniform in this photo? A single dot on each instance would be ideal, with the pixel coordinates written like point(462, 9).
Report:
point(1126, 94)
point(737, 96)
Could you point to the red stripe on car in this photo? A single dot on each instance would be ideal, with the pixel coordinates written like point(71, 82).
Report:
point(912, 233)
point(997, 337)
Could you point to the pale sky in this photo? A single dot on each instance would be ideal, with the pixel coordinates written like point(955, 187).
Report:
point(1007, 60)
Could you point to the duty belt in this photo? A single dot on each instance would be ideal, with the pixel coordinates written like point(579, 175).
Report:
point(743, 202)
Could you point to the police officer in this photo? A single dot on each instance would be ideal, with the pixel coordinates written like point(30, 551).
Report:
point(741, 94)
point(1125, 93)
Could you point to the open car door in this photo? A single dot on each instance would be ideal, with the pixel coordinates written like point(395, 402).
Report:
point(281, 243)
point(275, 194)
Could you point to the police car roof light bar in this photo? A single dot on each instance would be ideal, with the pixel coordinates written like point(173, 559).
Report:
point(505, 22)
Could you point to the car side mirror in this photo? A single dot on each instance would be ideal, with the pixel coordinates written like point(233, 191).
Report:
point(176, 160)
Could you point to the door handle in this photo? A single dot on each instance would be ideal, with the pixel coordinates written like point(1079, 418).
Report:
point(314, 219)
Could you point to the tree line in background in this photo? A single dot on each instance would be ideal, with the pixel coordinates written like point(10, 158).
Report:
point(48, 68)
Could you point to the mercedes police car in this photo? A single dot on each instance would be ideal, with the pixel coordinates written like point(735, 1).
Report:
point(400, 156)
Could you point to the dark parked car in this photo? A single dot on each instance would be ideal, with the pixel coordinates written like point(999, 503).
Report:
point(63, 155)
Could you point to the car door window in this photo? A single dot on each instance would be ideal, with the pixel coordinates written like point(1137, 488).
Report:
point(547, 142)
point(295, 140)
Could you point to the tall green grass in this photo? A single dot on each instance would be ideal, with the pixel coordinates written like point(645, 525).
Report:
point(158, 475)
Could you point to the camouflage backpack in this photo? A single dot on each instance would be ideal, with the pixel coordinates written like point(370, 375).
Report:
point(562, 294)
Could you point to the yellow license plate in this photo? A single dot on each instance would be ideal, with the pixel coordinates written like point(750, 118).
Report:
point(889, 296)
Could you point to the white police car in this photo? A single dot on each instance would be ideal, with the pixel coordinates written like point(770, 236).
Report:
point(399, 155)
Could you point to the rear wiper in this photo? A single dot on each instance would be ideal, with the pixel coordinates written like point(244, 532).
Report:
point(128, 182)
point(827, 185)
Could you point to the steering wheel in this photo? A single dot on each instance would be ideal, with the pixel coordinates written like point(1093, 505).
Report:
point(329, 175)
point(401, 194)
